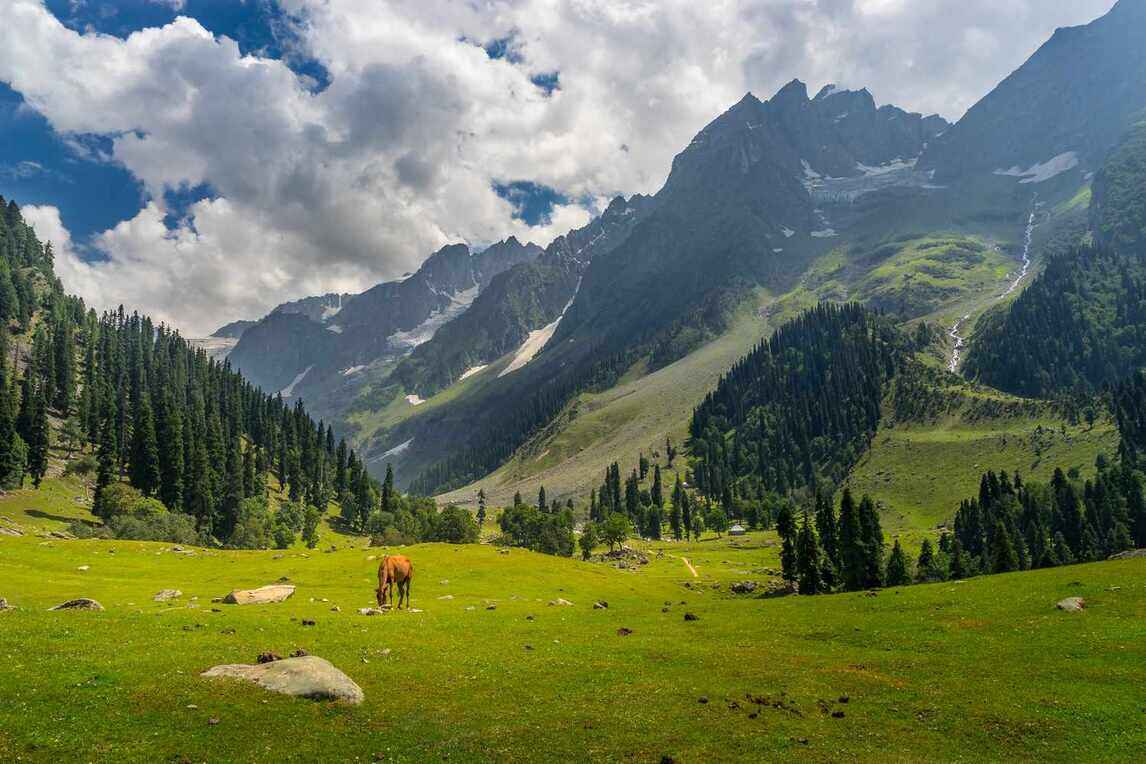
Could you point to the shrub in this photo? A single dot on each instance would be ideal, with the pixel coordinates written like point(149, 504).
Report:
point(174, 527)
point(85, 466)
point(253, 527)
point(454, 525)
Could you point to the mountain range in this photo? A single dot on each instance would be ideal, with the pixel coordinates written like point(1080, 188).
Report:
point(483, 365)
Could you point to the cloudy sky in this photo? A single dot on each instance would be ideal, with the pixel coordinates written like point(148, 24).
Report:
point(204, 160)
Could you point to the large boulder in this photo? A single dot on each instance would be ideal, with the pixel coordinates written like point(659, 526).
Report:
point(167, 594)
point(261, 596)
point(304, 677)
point(1072, 605)
point(80, 603)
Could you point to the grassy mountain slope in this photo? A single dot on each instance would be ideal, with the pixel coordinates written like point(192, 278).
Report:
point(986, 668)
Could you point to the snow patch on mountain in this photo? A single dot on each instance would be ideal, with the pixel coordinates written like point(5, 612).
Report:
point(397, 450)
point(288, 391)
point(1044, 171)
point(424, 331)
point(536, 340)
point(471, 371)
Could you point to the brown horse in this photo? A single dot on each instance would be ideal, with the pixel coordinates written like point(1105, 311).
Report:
point(394, 569)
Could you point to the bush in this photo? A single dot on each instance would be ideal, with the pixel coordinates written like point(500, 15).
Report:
point(310, 523)
point(454, 525)
point(391, 537)
point(253, 528)
point(85, 466)
point(174, 527)
point(119, 499)
point(85, 531)
point(527, 526)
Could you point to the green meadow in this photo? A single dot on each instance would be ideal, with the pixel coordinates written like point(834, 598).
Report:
point(985, 669)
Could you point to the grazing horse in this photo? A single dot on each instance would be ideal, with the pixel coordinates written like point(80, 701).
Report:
point(395, 569)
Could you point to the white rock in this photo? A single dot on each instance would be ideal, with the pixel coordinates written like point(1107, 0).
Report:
point(261, 596)
point(305, 677)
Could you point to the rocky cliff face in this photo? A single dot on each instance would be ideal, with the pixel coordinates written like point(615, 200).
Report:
point(1066, 107)
point(322, 337)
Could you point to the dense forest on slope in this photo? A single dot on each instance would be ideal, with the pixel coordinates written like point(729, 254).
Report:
point(800, 408)
point(1079, 326)
point(184, 431)
point(1118, 208)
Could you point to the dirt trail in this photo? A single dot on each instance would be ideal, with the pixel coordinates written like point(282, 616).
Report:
point(691, 569)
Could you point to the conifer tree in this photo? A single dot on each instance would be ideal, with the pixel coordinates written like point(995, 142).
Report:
point(853, 555)
point(657, 490)
point(786, 527)
point(1003, 555)
point(145, 473)
point(808, 559)
point(481, 508)
point(388, 489)
point(872, 535)
point(897, 573)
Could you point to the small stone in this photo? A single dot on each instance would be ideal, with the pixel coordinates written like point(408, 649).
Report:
point(307, 622)
point(370, 611)
point(491, 606)
point(529, 617)
point(84, 567)
point(844, 699)
point(560, 602)
point(167, 594)
point(81, 603)
point(192, 707)
point(446, 597)
point(1072, 605)
point(601, 605)
point(529, 647)
point(624, 632)
point(299, 653)
point(703, 700)
point(212, 721)
point(691, 617)
point(444, 582)
point(4, 605)
point(336, 609)
point(837, 714)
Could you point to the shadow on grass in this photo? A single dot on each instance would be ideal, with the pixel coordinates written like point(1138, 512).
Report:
point(61, 519)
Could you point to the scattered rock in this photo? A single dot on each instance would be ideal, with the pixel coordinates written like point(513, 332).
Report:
point(871, 593)
point(370, 611)
point(529, 617)
point(624, 632)
point(837, 714)
point(299, 653)
point(1072, 605)
point(529, 647)
point(307, 622)
point(844, 699)
point(268, 657)
point(703, 700)
point(444, 582)
point(664, 609)
point(336, 609)
point(446, 597)
point(261, 596)
point(167, 594)
point(744, 587)
point(84, 567)
point(691, 617)
point(81, 603)
point(212, 721)
point(1130, 555)
point(503, 551)
point(6, 531)
point(192, 707)
point(305, 677)
point(4, 605)
point(491, 606)
point(283, 579)
point(560, 602)
point(601, 605)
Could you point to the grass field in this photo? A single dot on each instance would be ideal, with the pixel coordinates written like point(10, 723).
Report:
point(985, 670)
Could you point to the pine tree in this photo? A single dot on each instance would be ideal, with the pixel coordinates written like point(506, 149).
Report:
point(388, 489)
point(145, 473)
point(827, 530)
point(676, 519)
point(853, 555)
point(105, 473)
point(872, 535)
point(541, 503)
point(925, 567)
point(808, 559)
point(481, 507)
point(657, 491)
point(39, 440)
point(786, 527)
point(1003, 555)
point(897, 572)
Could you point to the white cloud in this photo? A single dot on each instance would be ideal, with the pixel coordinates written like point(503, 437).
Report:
point(339, 189)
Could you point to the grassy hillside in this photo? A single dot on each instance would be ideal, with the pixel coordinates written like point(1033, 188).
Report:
point(618, 424)
point(985, 669)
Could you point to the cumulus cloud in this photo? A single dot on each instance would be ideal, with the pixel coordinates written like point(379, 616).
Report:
point(400, 154)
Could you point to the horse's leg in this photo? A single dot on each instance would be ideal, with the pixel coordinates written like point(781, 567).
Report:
point(409, 585)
